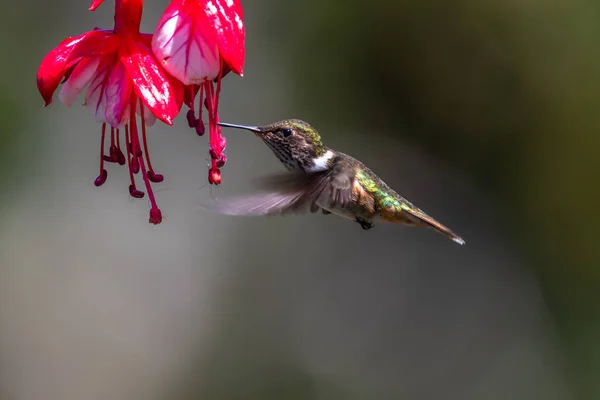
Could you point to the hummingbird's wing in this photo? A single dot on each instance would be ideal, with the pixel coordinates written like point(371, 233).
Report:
point(292, 193)
point(255, 204)
point(279, 194)
point(334, 187)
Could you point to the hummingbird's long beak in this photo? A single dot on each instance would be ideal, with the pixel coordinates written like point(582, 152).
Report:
point(255, 129)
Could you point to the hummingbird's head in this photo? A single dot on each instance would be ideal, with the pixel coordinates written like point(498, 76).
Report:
point(295, 143)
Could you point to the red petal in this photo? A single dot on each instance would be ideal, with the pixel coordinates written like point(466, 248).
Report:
point(178, 88)
point(162, 95)
point(95, 4)
point(228, 26)
point(69, 51)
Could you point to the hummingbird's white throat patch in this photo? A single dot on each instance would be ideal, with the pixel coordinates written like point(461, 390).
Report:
point(321, 163)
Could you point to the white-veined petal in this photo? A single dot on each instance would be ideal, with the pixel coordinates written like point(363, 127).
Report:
point(182, 49)
point(95, 98)
point(80, 77)
point(118, 93)
point(109, 94)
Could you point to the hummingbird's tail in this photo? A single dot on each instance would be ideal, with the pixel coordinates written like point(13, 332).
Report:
point(422, 219)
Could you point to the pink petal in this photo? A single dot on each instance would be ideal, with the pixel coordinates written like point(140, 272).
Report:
point(78, 80)
point(109, 94)
point(185, 46)
point(95, 97)
point(64, 56)
point(118, 93)
point(150, 82)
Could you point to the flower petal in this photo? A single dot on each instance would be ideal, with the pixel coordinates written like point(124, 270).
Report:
point(118, 94)
point(149, 118)
point(109, 94)
point(66, 54)
point(226, 17)
point(185, 45)
point(80, 77)
point(55, 64)
point(150, 81)
point(95, 98)
point(95, 4)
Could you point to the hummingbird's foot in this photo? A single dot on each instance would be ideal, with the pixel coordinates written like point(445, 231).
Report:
point(366, 225)
point(325, 212)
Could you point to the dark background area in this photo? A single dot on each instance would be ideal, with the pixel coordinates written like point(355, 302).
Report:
point(484, 114)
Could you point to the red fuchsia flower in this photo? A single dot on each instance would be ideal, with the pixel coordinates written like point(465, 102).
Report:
point(123, 79)
point(199, 42)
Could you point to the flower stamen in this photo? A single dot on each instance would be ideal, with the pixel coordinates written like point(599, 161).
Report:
point(200, 129)
point(103, 173)
point(120, 155)
point(191, 118)
point(155, 213)
point(133, 191)
point(113, 148)
point(154, 177)
point(218, 89)
point(191, 114)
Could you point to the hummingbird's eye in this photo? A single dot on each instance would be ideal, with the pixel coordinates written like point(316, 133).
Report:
point(286, 132)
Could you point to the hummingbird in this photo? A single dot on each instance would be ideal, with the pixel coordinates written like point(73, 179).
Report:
point(320, 178)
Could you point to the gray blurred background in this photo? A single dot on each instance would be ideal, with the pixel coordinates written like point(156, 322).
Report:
point(483, 113)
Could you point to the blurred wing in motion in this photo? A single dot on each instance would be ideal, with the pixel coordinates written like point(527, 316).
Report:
point(292, 193)
point(280, 194)
point(255, 204)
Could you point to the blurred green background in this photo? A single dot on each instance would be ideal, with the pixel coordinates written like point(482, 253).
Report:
point(484, 114)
